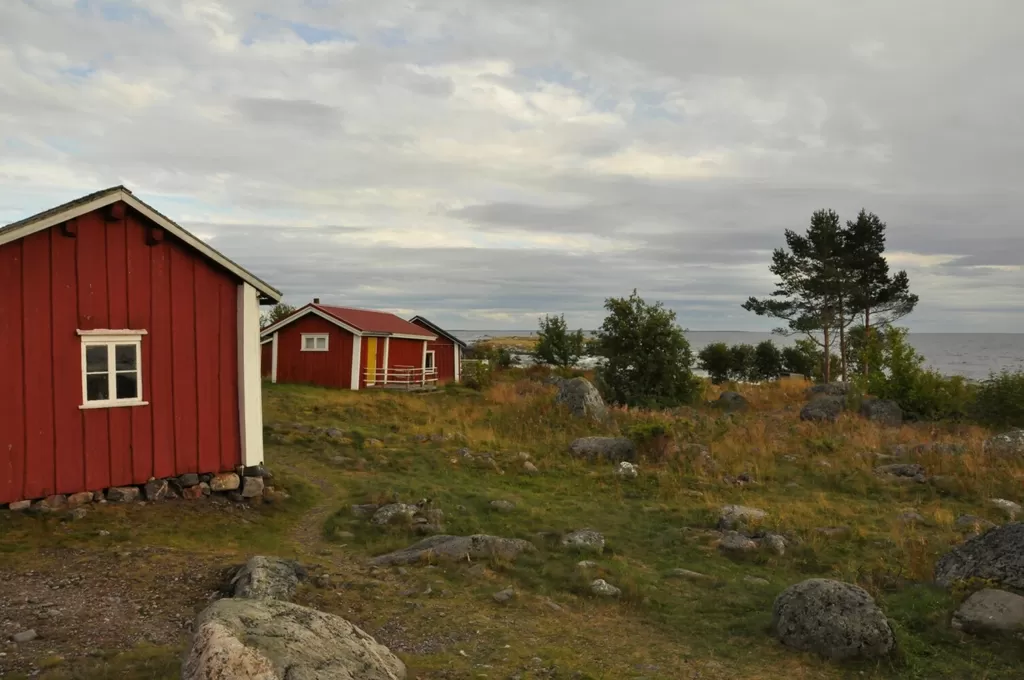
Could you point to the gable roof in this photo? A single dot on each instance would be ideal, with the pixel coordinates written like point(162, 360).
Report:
point(437, 330)
point(86, 204)
point(357, 321)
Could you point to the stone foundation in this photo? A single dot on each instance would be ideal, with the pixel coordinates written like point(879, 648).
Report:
point(252, 485)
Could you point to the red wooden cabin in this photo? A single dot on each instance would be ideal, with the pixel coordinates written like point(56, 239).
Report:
point(443, 354)
point(129, 349)
point(349, 349)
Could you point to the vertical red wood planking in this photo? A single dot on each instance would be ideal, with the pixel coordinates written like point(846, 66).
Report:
point(12, 395)
point(266, 359)
point(230, 448)
point(67, 365)
point(140, 318)
point(207, 305)
point(93, 314)
point(183, 347)
point(117, 292)
point(40, 468)
point(161, 363)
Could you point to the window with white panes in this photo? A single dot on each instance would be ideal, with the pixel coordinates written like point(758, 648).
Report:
point(112, 369)
point(314, 342)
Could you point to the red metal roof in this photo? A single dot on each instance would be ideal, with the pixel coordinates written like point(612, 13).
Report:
point(370, 321)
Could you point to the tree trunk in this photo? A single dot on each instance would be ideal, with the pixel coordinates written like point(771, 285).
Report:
point(842, 339)
point(867, 339)
point(826, 364)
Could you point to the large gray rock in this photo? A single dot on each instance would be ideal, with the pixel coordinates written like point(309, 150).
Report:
point(582, 398)
point(274, 640)
point(990, 611)
point(1008, 444)
point(736, 516)
point(455, 548)
point(882, 411)
point(267, 577)
point(836, 620)
point(734, 543)
point(584, 540)
point(832, 389)
point(732, 402)
point(612, 449)
point(911, 471)
point(823, 409)
point(996, 555)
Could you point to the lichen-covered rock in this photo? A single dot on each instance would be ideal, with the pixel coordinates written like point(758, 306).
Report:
point(1009, 444)
point(732, 402)
point(273, 640)
point(602, 588)
point(503, 506)
point(823, 409)
point(832, 389)
point(734, 516)
point(77, 500)
point(774, 543)
point(973, 523)
point(911, 471)
point(227, 481)
point(252, 487)
point(584, 540)
point(455, 548)
point(156, 490)
point(267, 577)
point(996, 555)
point(835, 620)
point(123, 494)
point(393, 512)
point(612, 449)
point(627, 470)
point(882, 411)
point(735, 543)
point(1011, 509)
point(582, 398)
point(990, 611)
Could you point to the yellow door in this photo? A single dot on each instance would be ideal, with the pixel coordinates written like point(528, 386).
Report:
point(371, 361)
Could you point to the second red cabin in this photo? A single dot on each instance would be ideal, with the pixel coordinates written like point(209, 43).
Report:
point(348, 348)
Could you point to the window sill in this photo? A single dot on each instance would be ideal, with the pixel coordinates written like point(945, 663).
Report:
point(112, 404)
point(316, 350)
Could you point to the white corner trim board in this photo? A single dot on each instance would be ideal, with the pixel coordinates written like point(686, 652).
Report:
point(357, 351)
point(387, 347)
point(273, 358)
point(250, 406)
point(458, 364)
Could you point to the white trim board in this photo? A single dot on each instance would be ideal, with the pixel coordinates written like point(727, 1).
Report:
point(304, 312)
point(357, 355)
point(115, 194)
point(273, 358)
point(250, 399)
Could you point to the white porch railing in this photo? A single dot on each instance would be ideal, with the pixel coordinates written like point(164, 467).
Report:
point(400, 377)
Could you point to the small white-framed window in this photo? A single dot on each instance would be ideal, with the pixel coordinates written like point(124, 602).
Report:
point(315, 342)
point(429, 365)
point(111, 368)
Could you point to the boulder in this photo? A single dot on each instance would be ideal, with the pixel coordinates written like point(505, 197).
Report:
point(735, 543)
point(774, 543)
point(1009, 444)
point(990, 611)
point(882, 411)
point(996, 555)
point(503, 596)
point(832, 389)
point(252, 487)
point(19, 506)
point(274, 640)
point(503, 506)
point(156, 490)
point(188, 479)
point(267, 577)
point(903, 470)
point(393, 512)
point(1009, 507)
point(77, 500)
point(584, 540)
point(973, 523)
point(836, 620)
point(602, 588)
point(530, 469)
point(612, 449)
point(191, 493)
point(731, 402)
point(823, 409)
point(582, 398)
point(734, 516)
point(123, 494)
point(54, 502)
point(627, 470)
point(227, 481)
point(455, 548)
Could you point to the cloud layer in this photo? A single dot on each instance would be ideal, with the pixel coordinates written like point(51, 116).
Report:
point(485, 162)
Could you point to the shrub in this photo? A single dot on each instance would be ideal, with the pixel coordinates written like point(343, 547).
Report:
point(476, 374)
point(1000, 400)
point(556, 344)
point(716, 360)
point(652, 439)
point(648, 358)
point(803, 358)
point(742, 359)
point(767, 361)
point(497, 356)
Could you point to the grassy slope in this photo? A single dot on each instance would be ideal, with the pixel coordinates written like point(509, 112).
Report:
point(442, 619)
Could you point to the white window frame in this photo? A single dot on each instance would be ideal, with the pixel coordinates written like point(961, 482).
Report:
point(432, 364)
point(316, 336)
point(110, 339)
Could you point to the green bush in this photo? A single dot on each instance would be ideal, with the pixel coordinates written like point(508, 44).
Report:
point(742, 359)
point(716, 359)
point(476, 375)
point(1000, 400)
point(768, 361)
point(803, 358)
point(556, 344)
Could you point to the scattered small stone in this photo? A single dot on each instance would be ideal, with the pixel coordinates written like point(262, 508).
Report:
point(387, 513)
point(627, 470)
point(19, 506)
point(552, 605)
point(530, 469)
point(503, 506)
point(102, 532)
point(523, 456)
point(24, 636)
point(322, 581)
point(587, 564)
point(604, 589)
point(735, 543)
point(911, 517)
point(77, 500)
point(503, 596)
point(733, 516)
point(1009, 507)
point(790, 458)
point(911, 471)
point(586, 540)
point(365, 510)
point(122, 494)
point(227, 481)
point(77, 514)
point(756, 580)
point(373, 444)
point(686, 574)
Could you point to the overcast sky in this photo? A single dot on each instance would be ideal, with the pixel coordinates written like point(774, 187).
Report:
point(483, 162)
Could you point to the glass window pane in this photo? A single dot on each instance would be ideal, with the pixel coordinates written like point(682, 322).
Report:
point(96, 387)
point(321, 343)
point(308, 343)
point(125, 357)
point(430, 360)
point(127, 386)
point(95, 358)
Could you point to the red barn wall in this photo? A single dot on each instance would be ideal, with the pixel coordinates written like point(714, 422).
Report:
point(266, 359)
point(444, 358)
point(402, 353)
point(332, 368)
point(108, 277)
